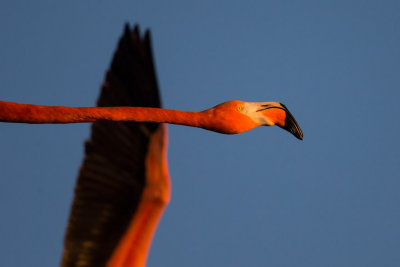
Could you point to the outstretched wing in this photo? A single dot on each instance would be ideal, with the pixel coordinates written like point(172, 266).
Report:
point(113, 174)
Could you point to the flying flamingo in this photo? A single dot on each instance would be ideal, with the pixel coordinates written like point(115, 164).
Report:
point(123, 185)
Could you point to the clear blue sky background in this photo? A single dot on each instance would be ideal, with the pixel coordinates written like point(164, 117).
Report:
point(262, 198)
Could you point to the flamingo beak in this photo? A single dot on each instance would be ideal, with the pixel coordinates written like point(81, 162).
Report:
point(291, 124)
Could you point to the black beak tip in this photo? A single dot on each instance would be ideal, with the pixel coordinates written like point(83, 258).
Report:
point(291, 125)
point(296, 131)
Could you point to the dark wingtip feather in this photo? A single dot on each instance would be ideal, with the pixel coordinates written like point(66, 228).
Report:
point(112, 177)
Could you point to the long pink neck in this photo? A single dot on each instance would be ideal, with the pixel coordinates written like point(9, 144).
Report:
point(223, 118)
point(27, 113)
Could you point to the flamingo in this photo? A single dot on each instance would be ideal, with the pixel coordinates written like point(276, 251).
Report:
point(123, 186)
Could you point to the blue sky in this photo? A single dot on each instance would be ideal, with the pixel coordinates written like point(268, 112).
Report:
point(262, 198)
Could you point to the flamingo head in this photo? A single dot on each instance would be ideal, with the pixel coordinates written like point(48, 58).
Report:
point(272, 113)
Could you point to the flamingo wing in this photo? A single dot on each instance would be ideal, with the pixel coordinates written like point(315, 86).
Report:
point(112, 177)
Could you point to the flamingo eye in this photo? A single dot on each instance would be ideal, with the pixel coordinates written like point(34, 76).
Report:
point(239, 107)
